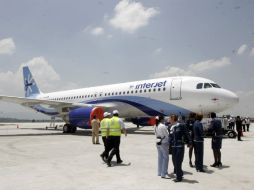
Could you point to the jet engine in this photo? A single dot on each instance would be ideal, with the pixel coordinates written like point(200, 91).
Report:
point(81, 117)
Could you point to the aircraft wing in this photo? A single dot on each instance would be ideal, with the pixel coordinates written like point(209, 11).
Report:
point(28, 102)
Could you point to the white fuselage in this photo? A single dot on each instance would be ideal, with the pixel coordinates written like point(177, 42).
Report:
point(173, 95)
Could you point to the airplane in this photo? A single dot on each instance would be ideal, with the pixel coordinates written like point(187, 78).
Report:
point(140, 101)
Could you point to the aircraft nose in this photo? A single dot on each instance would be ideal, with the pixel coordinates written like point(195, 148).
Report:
point(232, 98)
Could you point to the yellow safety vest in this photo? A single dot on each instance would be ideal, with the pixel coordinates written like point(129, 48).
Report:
point(115, 127)
point(104, 126)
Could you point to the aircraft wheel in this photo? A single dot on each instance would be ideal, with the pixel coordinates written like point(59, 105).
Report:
point(231, 134)
point(73, 129)
point(66, 128)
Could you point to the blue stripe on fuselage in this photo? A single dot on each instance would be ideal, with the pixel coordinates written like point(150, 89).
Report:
point(149, 106)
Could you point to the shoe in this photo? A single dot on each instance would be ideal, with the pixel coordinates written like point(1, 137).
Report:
point(103, 158)
point(177, 180)
point(191, 165)
point(119, 162)
point(165, 177)
point(98, 143)
point(201, 170)
point(219, 164)
point(109, 164)
point(214, 164)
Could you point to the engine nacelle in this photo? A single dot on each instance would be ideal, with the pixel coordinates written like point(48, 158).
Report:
point(81, 117)
point(144, 121)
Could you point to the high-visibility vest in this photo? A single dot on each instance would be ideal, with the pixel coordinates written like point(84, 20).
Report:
point(114, 127)
point(104, 126)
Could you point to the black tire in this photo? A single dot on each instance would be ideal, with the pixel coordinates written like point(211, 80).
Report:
point(231, 134)
point(73, 129)
point(66, 128)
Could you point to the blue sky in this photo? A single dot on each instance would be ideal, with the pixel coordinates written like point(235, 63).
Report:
point(73, 44)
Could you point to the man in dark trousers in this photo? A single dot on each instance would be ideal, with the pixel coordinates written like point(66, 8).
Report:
point(216, 130)
point(178, 135)
point(239, 128)
point(198, 143)
point(115, 129)
point(189, 124)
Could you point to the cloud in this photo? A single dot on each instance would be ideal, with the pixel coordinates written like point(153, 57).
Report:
point(252, 52)
point(172, 71)
point(7, 46)
point(209, 64)
point(45, 76)
point(130, 16)
point(242, 49)
point(194, 69)
point(97, 31)
point(158, 51)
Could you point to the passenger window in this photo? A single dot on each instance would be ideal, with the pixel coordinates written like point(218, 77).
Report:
point(207, 85)
point(149, 90)
point(200, 85)
point(120, 93)
point(140, 91)
point(123, 92)
point(164, 89)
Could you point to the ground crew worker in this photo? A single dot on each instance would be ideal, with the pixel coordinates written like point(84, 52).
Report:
point(198, 143)
point(216, 130)
point(178, 134)
point(104, 134)
point(115, 129)
point(95, 130)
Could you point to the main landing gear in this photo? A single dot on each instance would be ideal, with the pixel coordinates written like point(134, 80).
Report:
point(67, 128)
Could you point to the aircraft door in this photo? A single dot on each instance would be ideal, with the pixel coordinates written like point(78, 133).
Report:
point(175, 89)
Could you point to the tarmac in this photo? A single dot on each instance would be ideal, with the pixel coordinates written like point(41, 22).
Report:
point(32, 157)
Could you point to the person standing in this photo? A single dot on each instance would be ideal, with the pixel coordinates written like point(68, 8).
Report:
point(198, 143)
point(216, 130)
point(189, 124)
point(162, 144)
point(95, 130)
point(178, 135)
point(105, 124)
point(244, 124)
point(115, 129)
point(239, 128)
point(247, 119)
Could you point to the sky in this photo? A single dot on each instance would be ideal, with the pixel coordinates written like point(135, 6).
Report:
point(77, 44)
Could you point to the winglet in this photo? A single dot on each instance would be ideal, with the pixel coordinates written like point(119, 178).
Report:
point(30, 85)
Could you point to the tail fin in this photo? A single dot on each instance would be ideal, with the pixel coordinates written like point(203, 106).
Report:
point(30, 85)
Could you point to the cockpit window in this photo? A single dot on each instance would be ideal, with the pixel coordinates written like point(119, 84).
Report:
point(215, 85)
point(199, 85)
point(207, 85)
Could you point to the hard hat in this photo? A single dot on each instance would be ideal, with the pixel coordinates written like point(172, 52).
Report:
point(115, 112)
point(106, 114)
